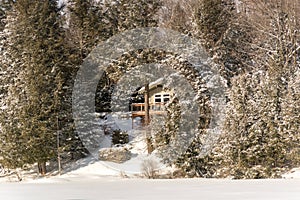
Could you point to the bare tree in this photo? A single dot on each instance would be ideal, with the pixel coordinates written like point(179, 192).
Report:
point(178, 15)
point(149, 168)
point(276, 24)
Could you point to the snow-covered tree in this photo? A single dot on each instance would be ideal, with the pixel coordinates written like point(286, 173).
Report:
point(252, 145)
point(177, 15)
point(11, 148)
point(260, 127)
point(221, 30)
point(3, 70)
point(291, 123)
point(85, 26)
point(276, 35)
point(5, 6)
point(35, 103)
point(124, 15)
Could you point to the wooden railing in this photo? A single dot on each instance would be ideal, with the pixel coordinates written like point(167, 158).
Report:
point(138, 109)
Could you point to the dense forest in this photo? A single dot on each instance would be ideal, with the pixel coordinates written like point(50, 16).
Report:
point(254, 45)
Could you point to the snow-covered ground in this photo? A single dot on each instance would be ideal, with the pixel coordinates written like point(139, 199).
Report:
point(295, 173)
point(89, 179)
point(85, 188)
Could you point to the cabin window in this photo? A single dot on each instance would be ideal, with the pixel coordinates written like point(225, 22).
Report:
point(166, 97)
point(161, 98)
point(157, 98)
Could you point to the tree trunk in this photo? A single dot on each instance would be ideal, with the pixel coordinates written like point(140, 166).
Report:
point(42, 168)
point(147, 119)
point(150, 147)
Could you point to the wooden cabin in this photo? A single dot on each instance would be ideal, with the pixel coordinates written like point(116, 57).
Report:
point(157, 95)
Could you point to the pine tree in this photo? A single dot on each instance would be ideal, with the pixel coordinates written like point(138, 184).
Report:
point(259, 140)
point(3, 44)
point(12, 147)
point(253, 146)
point(119, 16)
point(222, 32)
point(291, 123)
point(85, 26)
point(5, 6)
point(35, 101)
point(122, 15)
point(90, 22)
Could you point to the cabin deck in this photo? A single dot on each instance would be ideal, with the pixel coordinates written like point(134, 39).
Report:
point(138, 109)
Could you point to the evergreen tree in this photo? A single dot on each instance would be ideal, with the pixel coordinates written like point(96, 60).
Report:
point(259, 113)
point(122, 15)
point(253, 144)
point(35, 102)
point(291, 123)
point(85, 26)
point(5, 6)
point(11, 147)
point(222, 32)
point(3, 50)
point(119, 16)
point(90, 22)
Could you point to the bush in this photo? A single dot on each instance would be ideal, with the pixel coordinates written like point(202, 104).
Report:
point(149, 168)
point(120, 137)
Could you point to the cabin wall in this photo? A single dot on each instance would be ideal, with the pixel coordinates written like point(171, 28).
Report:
point(158, 90)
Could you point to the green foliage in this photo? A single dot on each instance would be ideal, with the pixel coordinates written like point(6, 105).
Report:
point(5, 6)
point(260, 138)
point(257, 52)
point(119, 16)
point(255, 143)
point(35, 108)
point(85, 28)
point(122, 15)
point(291, 121)
point(194, 164)
point(213, 20)
point(120, 137)
point(171, 126)
point(222, 32)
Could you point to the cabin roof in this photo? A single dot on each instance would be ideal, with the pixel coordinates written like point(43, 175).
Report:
point(152, 85)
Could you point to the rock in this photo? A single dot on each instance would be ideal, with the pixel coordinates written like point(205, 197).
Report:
point(117, 155)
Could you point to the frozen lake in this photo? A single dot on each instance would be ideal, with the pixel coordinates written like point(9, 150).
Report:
point(96, 188)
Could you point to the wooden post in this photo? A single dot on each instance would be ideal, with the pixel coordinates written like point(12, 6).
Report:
point(58, 153)
point(147, 119)
point(146, 97)
point(132, 121)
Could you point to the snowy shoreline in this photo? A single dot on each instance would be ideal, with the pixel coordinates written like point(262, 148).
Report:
point(117, 188)
point(96, 181)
